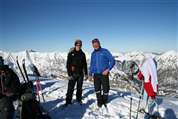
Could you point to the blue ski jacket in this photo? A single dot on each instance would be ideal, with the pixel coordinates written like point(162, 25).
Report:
point(101, 60)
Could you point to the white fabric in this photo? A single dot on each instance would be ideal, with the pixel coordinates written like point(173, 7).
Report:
point(148, 70)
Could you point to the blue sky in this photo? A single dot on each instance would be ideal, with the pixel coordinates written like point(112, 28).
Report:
point(121, 25)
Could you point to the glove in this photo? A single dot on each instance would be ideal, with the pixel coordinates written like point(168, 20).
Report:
point(90, 78)
point(27, 96)
point(86, 77)
point(71, 78)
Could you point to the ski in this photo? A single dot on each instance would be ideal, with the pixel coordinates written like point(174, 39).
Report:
point(37, 76)
point(25, 71)
point(44, 114)
point(18, 65)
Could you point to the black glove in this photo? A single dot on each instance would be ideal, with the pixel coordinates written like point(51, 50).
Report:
point(71, 78)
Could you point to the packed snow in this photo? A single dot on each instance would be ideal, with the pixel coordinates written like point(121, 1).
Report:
point(118, 106)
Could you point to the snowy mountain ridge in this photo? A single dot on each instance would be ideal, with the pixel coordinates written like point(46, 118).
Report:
point(53, 64)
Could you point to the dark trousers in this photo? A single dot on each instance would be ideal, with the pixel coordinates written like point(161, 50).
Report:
point(6, 108)
point(71, 85)
point(101, 84)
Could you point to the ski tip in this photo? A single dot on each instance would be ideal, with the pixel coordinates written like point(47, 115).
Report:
point(23, 61)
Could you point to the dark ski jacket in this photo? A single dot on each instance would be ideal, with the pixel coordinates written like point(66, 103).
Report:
point(76, 63)
point(9, 82)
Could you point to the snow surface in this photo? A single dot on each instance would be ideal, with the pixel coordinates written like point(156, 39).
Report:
point(53, 63)
point(118, 106)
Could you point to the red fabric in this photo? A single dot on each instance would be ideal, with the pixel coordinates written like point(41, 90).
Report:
point(147, 85)
point(149, 89)
point(140, 75)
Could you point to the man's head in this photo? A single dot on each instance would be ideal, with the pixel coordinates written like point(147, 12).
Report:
point(96, 43)
point(78, 45)
point(1, 61)
point(2, 66)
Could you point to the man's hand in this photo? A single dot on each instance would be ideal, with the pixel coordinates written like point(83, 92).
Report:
point(86, 77)
point(106, 72)
point(71, 78)
point(90, 78)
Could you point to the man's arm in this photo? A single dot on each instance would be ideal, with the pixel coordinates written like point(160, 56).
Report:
point(111, 60)
point(85, 65)
point(69, 64)
point(91, 65)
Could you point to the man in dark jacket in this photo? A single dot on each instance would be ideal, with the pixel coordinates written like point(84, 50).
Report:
point(9, 90)
point(101, 63)
point(76, 69)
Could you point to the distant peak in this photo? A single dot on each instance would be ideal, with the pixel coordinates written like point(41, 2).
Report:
point(31, 50)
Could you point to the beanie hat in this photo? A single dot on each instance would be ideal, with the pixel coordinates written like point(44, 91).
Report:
point(96, 40)
point(78, 42)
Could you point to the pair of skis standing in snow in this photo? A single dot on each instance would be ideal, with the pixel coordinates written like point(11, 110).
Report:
point(101, 63)
point(18, 100)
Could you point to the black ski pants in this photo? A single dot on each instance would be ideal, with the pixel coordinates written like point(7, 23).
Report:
point(76, 78)
point(101, 84)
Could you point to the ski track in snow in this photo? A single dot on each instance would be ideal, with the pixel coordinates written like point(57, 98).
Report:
point(118, 106)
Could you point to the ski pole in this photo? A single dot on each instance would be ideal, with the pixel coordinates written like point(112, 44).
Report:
point(37, 91)
point(140, 97)
point(138, 107)
point(130, 108)
point(41, 91)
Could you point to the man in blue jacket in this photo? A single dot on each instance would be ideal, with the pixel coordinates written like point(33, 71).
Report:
point(102, 62)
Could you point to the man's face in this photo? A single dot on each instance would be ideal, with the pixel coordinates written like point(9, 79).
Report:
point(96, 45)
point(1, 62)
point(78, 46)
point(2, 73)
